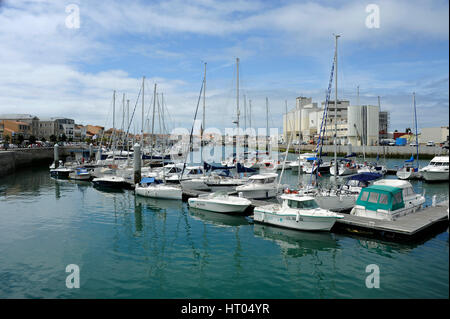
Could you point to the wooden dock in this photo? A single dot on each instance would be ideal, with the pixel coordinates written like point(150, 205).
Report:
point(405, 228)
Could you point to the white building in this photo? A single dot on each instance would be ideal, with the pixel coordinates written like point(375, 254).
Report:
point(434, 134)
point(363, 124)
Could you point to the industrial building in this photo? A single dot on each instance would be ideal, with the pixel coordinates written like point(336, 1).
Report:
point(354, 124)
point(434, 134)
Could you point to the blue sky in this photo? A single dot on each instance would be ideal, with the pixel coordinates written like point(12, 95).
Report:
point(285, 48)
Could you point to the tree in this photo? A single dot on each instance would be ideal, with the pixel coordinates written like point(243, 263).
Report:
point(63, 138)
point(43, 139)
point(7, 139)
point(20, 139)
point(53, 138)
point(32, 139)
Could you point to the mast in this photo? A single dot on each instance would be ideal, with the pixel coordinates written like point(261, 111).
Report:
point(143, 116)
point(417, 138)
point(114, 123)
point(153, 119)
point(128, 125)
point(245, 112)
point(237, 93)
point(250, 115)
point(364, 129)
point(267, 124)
point(335, 106)
point(203, 123)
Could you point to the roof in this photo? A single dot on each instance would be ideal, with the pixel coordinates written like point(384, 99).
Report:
point(263, 176)
point(297, 198)
point(384, 188)
point(17, 117)
point(440, 159)
point(393, 183)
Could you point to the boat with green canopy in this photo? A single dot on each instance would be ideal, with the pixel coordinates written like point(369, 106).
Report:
point(387, 200)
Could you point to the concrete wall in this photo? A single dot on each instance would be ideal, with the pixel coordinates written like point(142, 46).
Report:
point(15, 159)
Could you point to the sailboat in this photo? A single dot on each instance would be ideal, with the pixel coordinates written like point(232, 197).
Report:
point(410, 169)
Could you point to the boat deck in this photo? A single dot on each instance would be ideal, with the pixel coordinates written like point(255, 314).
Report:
point(404, 228)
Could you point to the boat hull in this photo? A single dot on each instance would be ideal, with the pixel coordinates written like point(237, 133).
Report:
point(217, 206)
point(257, 193)
point(431, 176)
point(159, 192)
point(292, 222)
point(59, 174)
point(336, 203)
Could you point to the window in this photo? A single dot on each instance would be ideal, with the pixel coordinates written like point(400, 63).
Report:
point(364, 196)
point(397, 198)
point(308, 204)
point(383, 199)
point(373, 198)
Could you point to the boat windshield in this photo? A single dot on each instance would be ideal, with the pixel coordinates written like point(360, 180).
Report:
point(306, 204)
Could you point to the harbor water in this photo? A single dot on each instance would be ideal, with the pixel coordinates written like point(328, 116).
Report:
point(133, 247)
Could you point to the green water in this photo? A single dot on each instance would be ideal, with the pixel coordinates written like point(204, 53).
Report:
point(129, 247)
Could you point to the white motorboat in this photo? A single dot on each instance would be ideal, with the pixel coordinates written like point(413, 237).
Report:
point(111, 181)
point(297, 165)
point(329, 199)
point(190, 172)
point(387, 199)
point(149, 187)
point(301, 213)
point(220, 202)
point(311, 164)
point(260, 186)
point(436, 170)
point(372, 168)
point(345, 167)
point(80, 174)
point(60, 171)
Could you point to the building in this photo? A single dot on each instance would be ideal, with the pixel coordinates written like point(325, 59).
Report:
point(94, 131)
point(384, 125)
point(363, 125)
point(434, 134)
point(31, 120)
point(13, 129)
point(79, 133)
point(47, 128)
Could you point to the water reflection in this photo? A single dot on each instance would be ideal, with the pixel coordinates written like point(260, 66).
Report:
point(296, 243)
point(218, 219)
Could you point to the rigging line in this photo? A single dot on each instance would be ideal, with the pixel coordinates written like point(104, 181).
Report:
point(192, 130)
point(324, 120)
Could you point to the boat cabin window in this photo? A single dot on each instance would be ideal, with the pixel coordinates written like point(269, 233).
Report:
point(397, 198)
point(408, 192)
point(269, 180)
point(373, 197)
point(364, 196)
point(307, 204)
point(383, 199)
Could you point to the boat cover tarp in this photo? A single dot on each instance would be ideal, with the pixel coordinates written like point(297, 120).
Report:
point(210, 167)
point(350, 155)
point(242, 169)
point(410, 160)
point(365, 177)
point(148, 180)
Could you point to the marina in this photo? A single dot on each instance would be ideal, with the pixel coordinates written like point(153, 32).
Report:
point(226, 156)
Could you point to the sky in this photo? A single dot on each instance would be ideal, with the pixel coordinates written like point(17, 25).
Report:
point(52, 66)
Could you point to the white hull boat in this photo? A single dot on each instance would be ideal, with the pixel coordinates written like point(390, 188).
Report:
point(260, 186)
point(437, 170)
point(220, 203)
point(159, 191)
point(300, 213)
